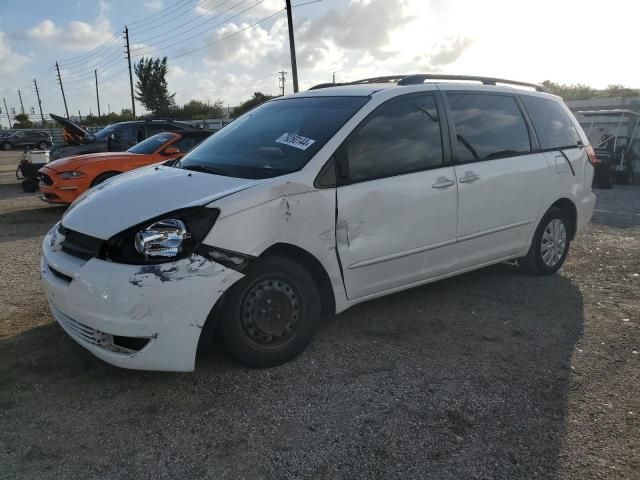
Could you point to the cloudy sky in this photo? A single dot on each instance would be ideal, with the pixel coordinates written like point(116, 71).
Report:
point(226, 50)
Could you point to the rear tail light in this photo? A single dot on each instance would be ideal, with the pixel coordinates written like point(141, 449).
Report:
point(592, 155)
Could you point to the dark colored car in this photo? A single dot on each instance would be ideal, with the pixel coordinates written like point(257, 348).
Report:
point(25, 139)
point(118, 137)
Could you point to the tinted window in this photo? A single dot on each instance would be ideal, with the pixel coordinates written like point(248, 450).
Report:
point(488, 126)
point(551, 123)
point(402, 136)
point(276, 138)
point(187, 143)
point(151, 144)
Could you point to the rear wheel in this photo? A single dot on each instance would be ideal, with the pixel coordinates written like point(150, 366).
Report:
point(549, 246)
point(101, 178)
point(43, 145)
point(272, 314)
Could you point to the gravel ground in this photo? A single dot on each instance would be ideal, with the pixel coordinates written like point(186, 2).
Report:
point(491, 375)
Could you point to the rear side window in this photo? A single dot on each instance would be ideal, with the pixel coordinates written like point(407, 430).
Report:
point(551, 123)
point(488, 126)
point(402, 136)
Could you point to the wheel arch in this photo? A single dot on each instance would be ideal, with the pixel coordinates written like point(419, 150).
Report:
point(316, 268)
point(294, 252)
point(569, 208)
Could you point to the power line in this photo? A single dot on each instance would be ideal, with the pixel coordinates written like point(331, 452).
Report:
point(170, 20)
point(205, 31)
point(228, 36)
point(185, 23)
point(150, 19)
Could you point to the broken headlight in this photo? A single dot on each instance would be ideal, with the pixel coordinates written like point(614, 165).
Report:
point(161, 239)
point(164, 238)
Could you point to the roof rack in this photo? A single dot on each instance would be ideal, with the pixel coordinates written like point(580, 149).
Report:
point(420, 78)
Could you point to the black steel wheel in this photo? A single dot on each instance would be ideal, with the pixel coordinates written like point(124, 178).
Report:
point(272, 314)
point(43, 145)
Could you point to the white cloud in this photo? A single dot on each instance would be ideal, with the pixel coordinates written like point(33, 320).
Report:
point(75, 35)
point(153, 5)
point(10, 61)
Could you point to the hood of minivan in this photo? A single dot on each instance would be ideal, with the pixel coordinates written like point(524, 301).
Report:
point(76, 163)
point(145, 193)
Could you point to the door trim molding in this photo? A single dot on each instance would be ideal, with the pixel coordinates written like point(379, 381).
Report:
point(426, 248)
point(494, 230)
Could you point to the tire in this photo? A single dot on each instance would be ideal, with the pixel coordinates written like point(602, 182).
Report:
point(272, 314)
point(102, 177)
point(30, 185)
point(43, 145)
point(6, 146)
point(548, 250)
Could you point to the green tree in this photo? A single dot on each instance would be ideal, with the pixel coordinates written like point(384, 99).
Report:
point(151, 87)
point(571, 92)
point(254, 101)
point(22, 121)
point(199, 110)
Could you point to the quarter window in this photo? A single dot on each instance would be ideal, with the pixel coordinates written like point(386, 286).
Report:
point(488, 126)
point(551, 123)
point(402, 136)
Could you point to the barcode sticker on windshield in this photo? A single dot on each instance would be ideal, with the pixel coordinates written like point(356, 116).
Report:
point(295, 141)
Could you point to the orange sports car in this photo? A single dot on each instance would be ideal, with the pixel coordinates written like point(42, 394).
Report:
point(64, 180)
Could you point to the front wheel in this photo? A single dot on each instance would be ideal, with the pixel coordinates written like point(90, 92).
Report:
point(272, 314)
point(550, 244)
point(103, 177)
point(6, 146)
point(43, 145)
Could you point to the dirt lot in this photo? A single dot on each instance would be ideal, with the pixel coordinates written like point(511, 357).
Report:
point(490, 375)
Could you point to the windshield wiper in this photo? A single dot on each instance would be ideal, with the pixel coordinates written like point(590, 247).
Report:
point(206, 169)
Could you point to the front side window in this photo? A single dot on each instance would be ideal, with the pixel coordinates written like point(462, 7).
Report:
point(402, 136)
point(276, 138)
point(488, 126)
point(551, 123)
point(151, 144)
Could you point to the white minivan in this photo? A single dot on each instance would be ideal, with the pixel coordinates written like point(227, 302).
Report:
point(312, 203)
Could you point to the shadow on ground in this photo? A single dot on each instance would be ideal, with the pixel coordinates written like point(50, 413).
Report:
point(465, 378)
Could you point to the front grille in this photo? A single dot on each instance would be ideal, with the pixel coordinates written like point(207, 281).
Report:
point(46, 179)
point(84, 332)
point(80, 245)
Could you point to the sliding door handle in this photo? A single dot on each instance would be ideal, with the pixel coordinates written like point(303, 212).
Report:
point(469, 177)
point(443, 182)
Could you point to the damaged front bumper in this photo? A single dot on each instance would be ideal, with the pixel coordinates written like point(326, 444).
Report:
point(145, 317)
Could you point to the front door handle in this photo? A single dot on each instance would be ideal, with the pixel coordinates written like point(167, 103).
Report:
point(443, 182)
point(469, 177)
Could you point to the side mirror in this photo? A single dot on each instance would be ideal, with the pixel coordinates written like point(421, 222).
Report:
point(171, 151)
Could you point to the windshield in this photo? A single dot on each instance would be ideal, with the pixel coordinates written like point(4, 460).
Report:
point(151, 144)
point(105, 132)
point(276, 138)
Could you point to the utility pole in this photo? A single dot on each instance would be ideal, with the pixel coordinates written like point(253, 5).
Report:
point(281, 81)
point(97, 96)
point(21, 104)
point(79, 116)
point(292, 48)
point(6, 110)
point(39, 102)
point(334, 78)
point(133, 103)
point(64, 99)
